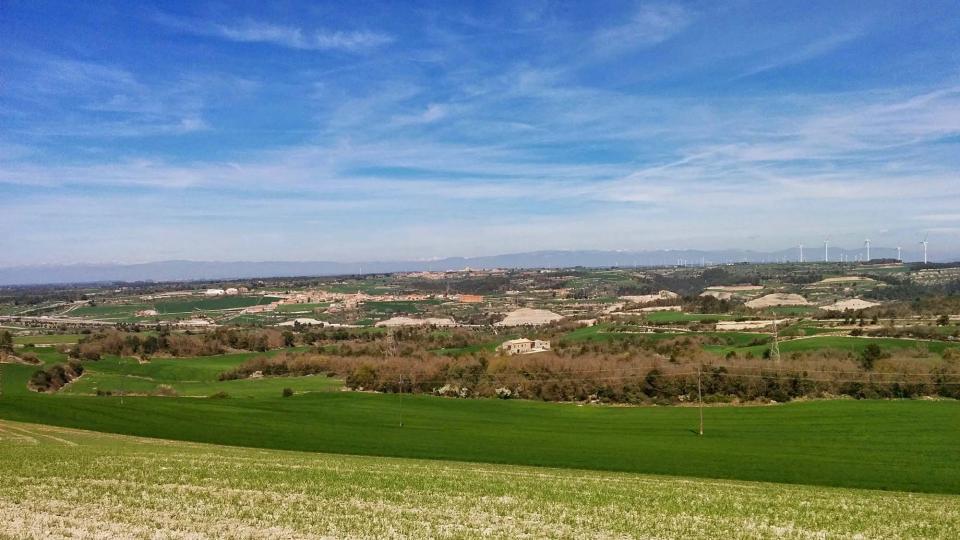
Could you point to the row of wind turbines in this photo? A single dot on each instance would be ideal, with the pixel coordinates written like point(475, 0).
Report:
point(866, 244)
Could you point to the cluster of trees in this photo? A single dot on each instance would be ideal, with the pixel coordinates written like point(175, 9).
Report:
point(627, 378)
point(920, 331)
point(94, 346)
point(6, 342)
point(55, 377)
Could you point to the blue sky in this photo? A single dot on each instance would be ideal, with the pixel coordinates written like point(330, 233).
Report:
point(365, 130)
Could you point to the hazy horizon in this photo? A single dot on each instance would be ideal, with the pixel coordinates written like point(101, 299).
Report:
point(328, 132)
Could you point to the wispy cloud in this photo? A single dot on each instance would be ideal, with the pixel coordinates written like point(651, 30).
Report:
point(806, 52)
point(650, 24)
point(253, 31)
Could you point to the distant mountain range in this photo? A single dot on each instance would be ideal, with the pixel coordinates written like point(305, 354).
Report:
point(209, 270)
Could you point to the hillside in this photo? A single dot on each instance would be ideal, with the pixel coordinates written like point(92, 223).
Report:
point(77, 480)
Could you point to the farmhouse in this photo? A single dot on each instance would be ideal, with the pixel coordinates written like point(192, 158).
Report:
point(215, 292)
point(524, 346)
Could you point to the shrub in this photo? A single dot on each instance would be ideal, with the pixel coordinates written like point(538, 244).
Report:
point(165, 390)
point(219, 395)
point(287, 392)
point(871, 353)
point(30, 358)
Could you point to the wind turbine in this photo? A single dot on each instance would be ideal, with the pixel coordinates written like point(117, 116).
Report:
point(924, 242)
point(867, 243)
point(899, 258)
point(826, 250)
point(801, 252)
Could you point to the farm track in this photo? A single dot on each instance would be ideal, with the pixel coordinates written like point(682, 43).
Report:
point(62, 482)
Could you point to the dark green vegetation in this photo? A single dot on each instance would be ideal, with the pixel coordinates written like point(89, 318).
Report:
point(900, 445)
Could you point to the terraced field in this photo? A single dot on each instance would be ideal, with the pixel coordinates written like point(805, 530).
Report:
point(67, 483)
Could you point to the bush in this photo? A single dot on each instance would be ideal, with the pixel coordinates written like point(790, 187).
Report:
point(165, 390)
point(219, 395)
point(870, 355)
point(55, 377)
point(30, 358)
point(287, 392)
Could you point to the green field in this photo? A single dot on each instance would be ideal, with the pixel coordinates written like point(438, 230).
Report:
point(53, 339)
point(108, 311)
point(899, 445)
point(301, 308)
point(678, 317)
point(197, 377)
point(211, 304)
point(848, 343)
point(393, 307)
point(68, 483)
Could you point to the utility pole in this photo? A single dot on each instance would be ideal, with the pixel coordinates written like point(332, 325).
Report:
point(700, 399)
point(401, 400)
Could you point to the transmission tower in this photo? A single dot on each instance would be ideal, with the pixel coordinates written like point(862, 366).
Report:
point(775, 349)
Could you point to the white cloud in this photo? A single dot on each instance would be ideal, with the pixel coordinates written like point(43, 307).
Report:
point(649, 25)
point(252, 31)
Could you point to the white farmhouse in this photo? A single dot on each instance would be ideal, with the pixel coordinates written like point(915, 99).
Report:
point(524, 346)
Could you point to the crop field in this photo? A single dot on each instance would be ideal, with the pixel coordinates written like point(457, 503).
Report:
point(397, 306)
point(196, 377)
point(52, 339)
point(108, 311)
point(211, 304)
point(896, 445)
point(676, 317)
point(848, 343)
point(746, 342)
point(68, 483)
point(301, 308)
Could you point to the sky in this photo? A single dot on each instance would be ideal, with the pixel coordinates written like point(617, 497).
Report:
point(357, 130)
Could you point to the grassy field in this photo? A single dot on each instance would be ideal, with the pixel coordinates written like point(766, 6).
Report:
point(899, 445)
point(211, 304)
point(744, 342)
point(68, 483)
point(678, 317)
point(301, 308)
point(196, 377)
point(53, 339)
point(847, 343)
point(108, 311)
